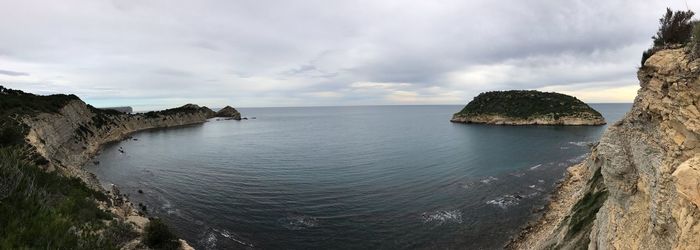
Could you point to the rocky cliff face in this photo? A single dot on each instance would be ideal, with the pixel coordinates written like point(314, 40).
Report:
point(69, 138)
point(640, 188)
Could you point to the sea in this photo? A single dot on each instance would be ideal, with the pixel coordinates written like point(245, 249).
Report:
point(360, 177)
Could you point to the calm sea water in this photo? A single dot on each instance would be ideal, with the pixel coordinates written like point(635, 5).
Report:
point(376, 177)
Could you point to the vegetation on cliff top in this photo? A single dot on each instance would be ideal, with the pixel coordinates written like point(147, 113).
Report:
point(526, 104)
point(676, 29)
point(186, 109)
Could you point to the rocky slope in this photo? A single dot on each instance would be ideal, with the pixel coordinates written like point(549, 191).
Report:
point(523, 107)
point(640, 188)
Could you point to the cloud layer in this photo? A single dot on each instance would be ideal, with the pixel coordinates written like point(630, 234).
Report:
point(162, 53)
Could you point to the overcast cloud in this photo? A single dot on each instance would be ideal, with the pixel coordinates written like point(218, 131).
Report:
point(153, 54)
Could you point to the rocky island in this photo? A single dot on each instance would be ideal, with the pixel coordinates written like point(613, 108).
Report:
point(229, 112)
point(47, 199)
point(527, 107)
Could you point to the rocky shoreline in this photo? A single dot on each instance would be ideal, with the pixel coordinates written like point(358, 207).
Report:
point(562, 199)
point(71, 138)
point(543, 120)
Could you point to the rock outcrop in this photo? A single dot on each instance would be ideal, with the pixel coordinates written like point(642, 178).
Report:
point(527, 107)
point(640, 188)
point(229, 112)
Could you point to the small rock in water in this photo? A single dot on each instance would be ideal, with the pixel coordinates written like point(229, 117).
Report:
point(140, 191)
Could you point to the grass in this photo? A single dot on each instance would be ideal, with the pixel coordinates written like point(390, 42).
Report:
point(45, 210)
point(585, 210)
point(526, 104)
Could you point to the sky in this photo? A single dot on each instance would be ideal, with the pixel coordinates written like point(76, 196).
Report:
point(154, 54)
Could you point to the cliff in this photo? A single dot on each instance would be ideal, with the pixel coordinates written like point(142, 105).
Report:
point(523, 107)
point(71, 136)
point(640, 187)
point(60, 133)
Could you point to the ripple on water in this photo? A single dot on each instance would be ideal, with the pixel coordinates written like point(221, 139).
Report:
point(211, 237)
point(489, 179)
point(298, 222)
point(510, 200)
point(442, 216)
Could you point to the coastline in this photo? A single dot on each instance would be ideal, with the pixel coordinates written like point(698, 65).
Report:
point(120, 203)
point(71, 138)
point(562, 199)
point(512, 121)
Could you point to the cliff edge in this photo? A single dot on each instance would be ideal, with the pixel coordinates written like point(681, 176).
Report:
point(640, 187)
point(527, 107)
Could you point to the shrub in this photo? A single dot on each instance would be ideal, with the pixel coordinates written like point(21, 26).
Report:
point(41, 210)
point(158, 236)
point(674, 28)
point(695, 40)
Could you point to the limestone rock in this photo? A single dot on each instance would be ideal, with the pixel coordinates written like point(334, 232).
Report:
point(650, 166)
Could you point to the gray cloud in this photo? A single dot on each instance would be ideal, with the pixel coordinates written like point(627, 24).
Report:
point(12, 73)
point(295, 53)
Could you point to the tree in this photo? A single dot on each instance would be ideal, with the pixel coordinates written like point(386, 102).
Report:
point(674, 28)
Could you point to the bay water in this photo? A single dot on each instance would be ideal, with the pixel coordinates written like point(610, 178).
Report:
point(361, 177)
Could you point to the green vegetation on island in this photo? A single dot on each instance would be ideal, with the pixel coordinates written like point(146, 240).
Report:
point(520, 106)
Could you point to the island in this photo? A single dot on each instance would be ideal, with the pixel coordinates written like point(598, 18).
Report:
point(229, 112)
point(527, 107)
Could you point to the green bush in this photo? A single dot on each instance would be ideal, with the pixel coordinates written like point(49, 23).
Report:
point(40, 210)
point(674, 28)
point(695, 40)
point(158, 236)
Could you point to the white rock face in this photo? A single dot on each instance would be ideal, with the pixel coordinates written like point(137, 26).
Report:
point(649, 163)
point(70, 138)
point(502, 120)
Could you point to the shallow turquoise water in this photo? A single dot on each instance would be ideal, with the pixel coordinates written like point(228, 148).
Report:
point(369, 177)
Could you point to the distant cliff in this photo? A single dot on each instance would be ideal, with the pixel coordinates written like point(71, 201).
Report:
point(527, 107)
point(639, 189)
